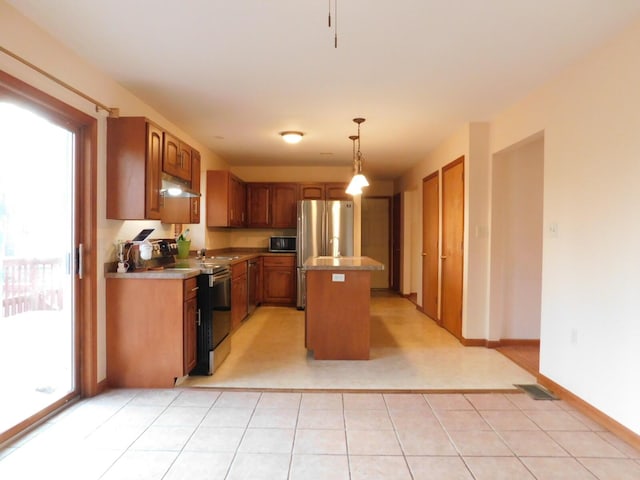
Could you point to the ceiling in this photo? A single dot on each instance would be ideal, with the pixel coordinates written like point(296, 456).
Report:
point(236, 73)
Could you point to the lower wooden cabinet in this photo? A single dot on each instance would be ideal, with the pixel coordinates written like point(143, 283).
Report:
point(151, 331)
point(279, 280)
point(239, 292)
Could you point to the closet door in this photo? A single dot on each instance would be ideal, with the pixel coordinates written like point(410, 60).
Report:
point(430, 244)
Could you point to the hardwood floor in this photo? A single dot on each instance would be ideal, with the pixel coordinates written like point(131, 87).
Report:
point(525, 356)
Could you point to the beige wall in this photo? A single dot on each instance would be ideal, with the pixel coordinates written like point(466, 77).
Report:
point(590, 280)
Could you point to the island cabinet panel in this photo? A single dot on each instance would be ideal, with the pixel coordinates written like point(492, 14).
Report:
point(337, 316)
point(279, 280)
point(150, 332)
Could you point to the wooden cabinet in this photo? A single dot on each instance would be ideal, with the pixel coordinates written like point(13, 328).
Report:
point(226, 199)
point(194, 203)
point(279, 280)
point(190, 324)
point(324, 191)
point(137, 152)
point(134, 162)
point(272, 205)
point(239, 292)
point(176, 159)
point(185, 210)
point(151, 331)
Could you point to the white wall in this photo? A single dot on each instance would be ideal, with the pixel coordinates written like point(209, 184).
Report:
point(516, 241)
point(25, 39)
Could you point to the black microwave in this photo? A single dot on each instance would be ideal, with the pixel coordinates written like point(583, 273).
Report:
point(282, 244)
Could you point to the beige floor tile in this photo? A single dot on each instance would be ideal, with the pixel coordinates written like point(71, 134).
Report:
point(136, 415)
point(200, 466)
point(462, 420)
point(259, 466)
point(364, 401)
point(408, 422)
point(620, 444)
point(406, 402)
point(490, 401)
point(479, 443)
point(378, 468)
point(321, 401)
point(320, 442)
point(114, 436)
point(532, 444)
point(215, 439)
point(585, 444)
point(426, 442)
point(497, 468)
point(440, 468)
point(274, 418)
point(237, 400)
point(612, 468)
point(156, 397)
point(525, 402)
point(319, 467)
point(556, 420)
point(163, 438)
point(267, 440)
point(181, 416)
point(448, 401)
point(367, 420)
point(227, 417)
point(502, 420)
point(372, 442)
point(557, 468)
point(140, 465)
point(326, 419)
point(196, 398)
point(279, 400)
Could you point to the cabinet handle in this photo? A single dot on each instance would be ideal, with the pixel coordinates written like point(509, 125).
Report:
point(424, 254)
point(194, 289)
point(443, 257)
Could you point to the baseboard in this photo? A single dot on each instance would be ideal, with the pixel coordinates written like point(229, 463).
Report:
point(590, 411)
point(413, 298)
point(503, 342)
point(102, 386)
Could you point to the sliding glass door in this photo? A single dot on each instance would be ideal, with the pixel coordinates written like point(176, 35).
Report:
point(38, 332)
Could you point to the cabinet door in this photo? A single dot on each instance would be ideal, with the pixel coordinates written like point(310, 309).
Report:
point(176, 160)
point(312, 191)
point(279, 285)
point(153, 166)
point(284, 205)
point(237, 202)
point(336, 191)
point(238, 300)
point(190, 335)
point(258, 205)
point(194, 203)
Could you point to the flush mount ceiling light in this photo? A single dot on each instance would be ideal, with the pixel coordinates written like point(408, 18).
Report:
point(359, 180)
point(291, 136)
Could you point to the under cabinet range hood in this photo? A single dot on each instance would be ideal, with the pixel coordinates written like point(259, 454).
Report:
point(176, 187)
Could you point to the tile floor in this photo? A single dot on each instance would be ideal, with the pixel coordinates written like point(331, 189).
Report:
point(209, 434)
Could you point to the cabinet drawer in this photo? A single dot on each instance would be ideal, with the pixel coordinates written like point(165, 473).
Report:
point(238, 269)
point(279, 261)
point(190, 287)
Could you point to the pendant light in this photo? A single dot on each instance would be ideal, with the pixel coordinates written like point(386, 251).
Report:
point(353, 189)
point(359, 180)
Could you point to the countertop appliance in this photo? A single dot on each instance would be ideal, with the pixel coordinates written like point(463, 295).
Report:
point(325, 228)
point(282, 244)
point(214, 322)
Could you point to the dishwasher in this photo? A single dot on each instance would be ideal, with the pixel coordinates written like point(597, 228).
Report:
point(252, 285)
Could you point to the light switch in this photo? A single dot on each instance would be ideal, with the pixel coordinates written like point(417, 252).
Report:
point(337, 277)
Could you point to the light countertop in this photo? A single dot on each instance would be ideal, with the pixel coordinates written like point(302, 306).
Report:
point(342, 263)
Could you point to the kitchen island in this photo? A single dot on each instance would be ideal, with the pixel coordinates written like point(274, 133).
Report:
point(337, 318)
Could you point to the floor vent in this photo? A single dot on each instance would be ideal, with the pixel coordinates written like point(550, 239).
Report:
point(537, 392)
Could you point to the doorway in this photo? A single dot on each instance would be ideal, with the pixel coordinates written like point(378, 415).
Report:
point(452, 246)
point(48, 154)
point(375, 236)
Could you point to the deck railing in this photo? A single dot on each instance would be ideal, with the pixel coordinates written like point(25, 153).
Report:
point(30, 284)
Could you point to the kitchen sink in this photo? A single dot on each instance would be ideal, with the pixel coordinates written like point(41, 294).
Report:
point(223, 257)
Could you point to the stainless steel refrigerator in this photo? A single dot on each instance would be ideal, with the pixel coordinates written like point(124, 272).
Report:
point(325, 228)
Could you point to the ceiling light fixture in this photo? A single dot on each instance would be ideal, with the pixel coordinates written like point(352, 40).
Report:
point(359, 181)
point(291, 136)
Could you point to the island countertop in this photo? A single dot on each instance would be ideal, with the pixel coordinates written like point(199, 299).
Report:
point(342, 263)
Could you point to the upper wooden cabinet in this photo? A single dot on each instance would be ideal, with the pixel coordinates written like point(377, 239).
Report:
point(324, 191)
point(184, 210)
point(272, 205)
point(134, 161)
point(226, 199)
point(176, 160)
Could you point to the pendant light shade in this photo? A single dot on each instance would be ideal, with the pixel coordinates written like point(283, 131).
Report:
point(358, 181)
